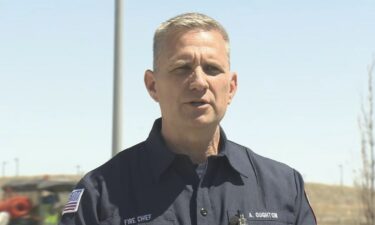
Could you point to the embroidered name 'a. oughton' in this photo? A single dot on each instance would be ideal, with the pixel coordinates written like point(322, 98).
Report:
point(264, 215)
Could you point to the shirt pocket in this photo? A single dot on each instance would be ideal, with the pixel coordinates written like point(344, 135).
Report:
point(265, 222)
point(158, 221)
point(262, 217)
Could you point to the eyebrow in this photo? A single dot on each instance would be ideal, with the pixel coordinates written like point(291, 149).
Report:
point(186, 58)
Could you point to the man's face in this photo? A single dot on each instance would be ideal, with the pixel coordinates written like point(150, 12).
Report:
point(193, 83)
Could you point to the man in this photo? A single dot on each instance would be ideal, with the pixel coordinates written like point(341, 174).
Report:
point(187, 172)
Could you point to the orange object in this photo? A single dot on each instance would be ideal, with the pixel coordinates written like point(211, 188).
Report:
point(17, 206)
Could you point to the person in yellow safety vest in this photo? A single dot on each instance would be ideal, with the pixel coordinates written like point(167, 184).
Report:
point(51, 219)
point(52, 215)
point(49, 208)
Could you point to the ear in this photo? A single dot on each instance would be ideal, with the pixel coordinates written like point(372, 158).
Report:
point(232, 86)
point(150, 83)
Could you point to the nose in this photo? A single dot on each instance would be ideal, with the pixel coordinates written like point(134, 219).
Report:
point(198, 80)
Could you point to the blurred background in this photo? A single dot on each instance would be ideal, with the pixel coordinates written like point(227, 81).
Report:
point(303, 96)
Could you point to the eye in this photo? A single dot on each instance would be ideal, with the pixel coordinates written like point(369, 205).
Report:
point(212, 70)
point(181, 70)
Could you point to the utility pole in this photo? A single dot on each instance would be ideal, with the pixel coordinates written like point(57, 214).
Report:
point(78, 167)
point(3, 168)
point(117, 81)
point(341, 175)
point(17, 164)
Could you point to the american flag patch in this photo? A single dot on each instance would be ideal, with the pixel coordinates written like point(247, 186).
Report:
point(73, 202)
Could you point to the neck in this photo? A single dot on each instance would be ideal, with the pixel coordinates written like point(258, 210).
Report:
point(197, 143)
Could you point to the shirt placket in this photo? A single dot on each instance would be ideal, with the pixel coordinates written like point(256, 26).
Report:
point(204, 209)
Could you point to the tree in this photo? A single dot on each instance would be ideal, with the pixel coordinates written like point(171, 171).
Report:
point(367, 176)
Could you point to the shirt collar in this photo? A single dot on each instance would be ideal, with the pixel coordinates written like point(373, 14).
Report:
point(237, 155)
point(160, 156)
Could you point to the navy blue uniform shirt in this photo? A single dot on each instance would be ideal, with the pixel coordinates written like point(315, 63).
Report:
point(149, 184)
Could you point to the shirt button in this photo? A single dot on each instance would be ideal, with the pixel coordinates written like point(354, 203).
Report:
point(203, 212)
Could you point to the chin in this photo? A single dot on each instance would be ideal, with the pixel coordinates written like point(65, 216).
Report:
point(202, 121)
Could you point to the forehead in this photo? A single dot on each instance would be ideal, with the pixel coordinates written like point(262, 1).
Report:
point(210, 42)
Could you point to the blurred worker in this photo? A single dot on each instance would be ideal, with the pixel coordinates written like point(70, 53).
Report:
point(48, 208)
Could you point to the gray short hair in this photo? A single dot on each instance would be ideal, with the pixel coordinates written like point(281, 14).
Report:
point(183, 23)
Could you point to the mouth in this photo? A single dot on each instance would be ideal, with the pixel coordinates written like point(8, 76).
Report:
point(198, 103)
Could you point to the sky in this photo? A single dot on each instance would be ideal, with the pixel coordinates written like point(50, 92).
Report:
point(302, 73)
